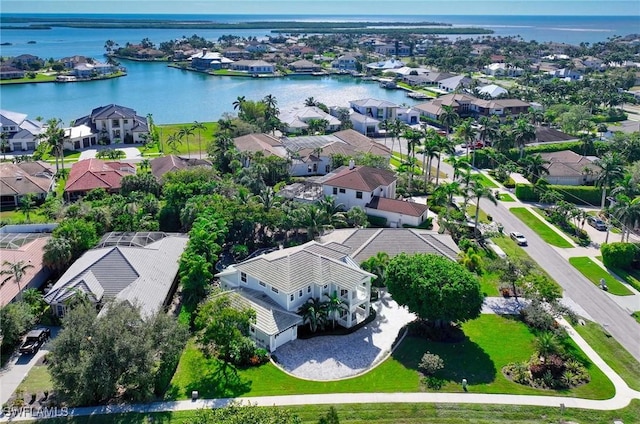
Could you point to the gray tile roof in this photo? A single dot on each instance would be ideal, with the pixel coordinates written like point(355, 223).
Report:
point(140, 275)
point(270, 317)
point(292, 269)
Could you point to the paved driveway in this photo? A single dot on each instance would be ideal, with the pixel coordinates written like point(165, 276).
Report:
point(334, 357)
point(130, 152)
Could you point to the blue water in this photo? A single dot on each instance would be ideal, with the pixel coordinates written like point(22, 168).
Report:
point(173, 95)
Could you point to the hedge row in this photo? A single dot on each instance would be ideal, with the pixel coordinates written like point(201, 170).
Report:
point(579, 195)
point(483, 161)
point(619, 255)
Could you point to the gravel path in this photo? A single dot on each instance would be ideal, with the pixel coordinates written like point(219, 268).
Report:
point(334, 357)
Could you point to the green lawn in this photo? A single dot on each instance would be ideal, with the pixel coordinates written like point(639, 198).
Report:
point(630, 277)
point(542, 229)
point(479, 359)
point(482, 217)
point(38, 380)
point(38, 78)
point(403, 413)
point(636, 316)
point(504, 197)
point(196, 143)
point(616, 356)
point(486, 182)
point(17, 217)
point(594, 273)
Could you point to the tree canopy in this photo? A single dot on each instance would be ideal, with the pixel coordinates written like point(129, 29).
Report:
point(434, 288)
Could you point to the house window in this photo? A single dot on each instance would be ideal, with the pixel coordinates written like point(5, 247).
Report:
point(335, 190)
point(243, 277)
point(115, 123)
point(300, 293)
point(275, 290)
point(253, 330)
point(308, 289)
point(291, 297)
point(343, 191)
point(343, 292)
point(126, 121)
point(327, 168)
point(315, 167)
point(358, 195)
point(262, 284)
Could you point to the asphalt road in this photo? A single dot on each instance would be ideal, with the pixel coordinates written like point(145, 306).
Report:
point(593, 300)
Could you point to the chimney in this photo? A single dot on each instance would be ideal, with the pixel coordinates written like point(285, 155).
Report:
point(352, 164)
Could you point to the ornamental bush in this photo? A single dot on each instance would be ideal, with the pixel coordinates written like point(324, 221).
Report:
point(618, 255)
point(430, 363)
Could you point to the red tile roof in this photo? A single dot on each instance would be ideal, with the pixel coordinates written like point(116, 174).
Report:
point(90, 174)
point(362, 178)
point(398, 206)
point(29, 253)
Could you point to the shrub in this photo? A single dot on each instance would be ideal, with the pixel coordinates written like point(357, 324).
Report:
point(579, 195)
point(536, 316)
point(434, 383)
point(430, 363)
point(618, 255)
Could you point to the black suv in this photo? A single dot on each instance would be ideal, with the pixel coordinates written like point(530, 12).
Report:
point(34, 340)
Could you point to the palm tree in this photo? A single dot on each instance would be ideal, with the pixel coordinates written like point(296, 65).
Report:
point(478, 191)
point(523, 132)
point(15, 271)
point(459, 164)
point(226, 127)
point(448, 117)
point(27, 202)
point(54, 137)
point(445, 146)
point(186, 131)
point(386, 125)
point(238, 103)
point(310, 101)
point(627, 212)
point(4, 144)
point(430, 149)
point(397, 126)
point(333, 305)
point(587, 140)
point(611, 171)
point(413, 139)
point(199, 126)
point(534, 167)
point(467, 133)
point(173, 141)
point(145, 164)
point(314, 312)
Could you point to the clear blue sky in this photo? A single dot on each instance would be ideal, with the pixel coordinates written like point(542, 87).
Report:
point(330, 7)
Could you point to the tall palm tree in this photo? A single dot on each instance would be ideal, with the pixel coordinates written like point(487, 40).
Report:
point(199, 126)
point(429, 150)
point(173, 141)
point(445, 147)
point(397, 126)
point(534, 167)
point(333, 305)
point(15, 271)
point(459, 164)
point(54, 137)
point(448, 117)
point(386, 125)
point(523, 132)
point(4, 144)
point(413, 138)
point(186, 131)
point(478, 191)
point(27, 202)
point(627, 212)
point(467, 133)
point(226, 127)
point(611, 171)
point(238, 103)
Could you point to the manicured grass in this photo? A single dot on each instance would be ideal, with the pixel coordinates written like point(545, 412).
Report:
point(26, 80)
point(479, 359)
point(542, 229)
point(193, 146)
point(630, 277)
point(486, 182)
point(504, 197)
point(594, 273)
point(482, 217)
point(636, 316)
point(38, 380)
point(16, 216)
point(404, 413)
point(616, 356)
point(489, 283)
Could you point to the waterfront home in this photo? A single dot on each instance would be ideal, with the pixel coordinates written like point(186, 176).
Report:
point(385, 65)
point(492, 91)
point(24, 244)
point(566, 74)
point(71, 62)
point(354, 185)
point(114, 123)
point(18, 180)
point(345, 62)
point(10, 72)
point(503, 70)
point(206, 60)
point(253, 67)
point(455, 83)
point(277, 284)
point(569, 168)
point(374, 108)
point(88, 70)
point(297, 120)
point(393, 49)
point(139, 268)
point(161, 165)
point(304, 67)
point(25, 61)
point(466, 105)
point(21, 134)
point(264, 144)
point(90, 174)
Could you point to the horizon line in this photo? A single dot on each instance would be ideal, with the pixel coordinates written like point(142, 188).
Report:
point(314, 14)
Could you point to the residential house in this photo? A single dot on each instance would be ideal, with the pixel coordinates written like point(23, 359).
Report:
point(569, 168)
point(466, 105)
point(71, 62)
point(114, 123)
point(297, 119)
point(345, 63)
point(207, 61)
point(263, 144)
point(408, 115)
point(235, 53)
point(364, 124)
point(503, 70)
point(493, 91)
point(368, 242)
point(566, 74)
point(277, 284)
point(80, 137)
point(18, 180)
point(374, 108)
point(21, 134)
point(396, 212)
point(161, 165)
point(90, 70)
point(254, 67)
point(26, 61)
point(304, 67)
point(358, 185)
point(24, 243)
point(90, 174)
point(138, 268)
point(457, 82)
point(10, 72)
point(393, 49)
point(385, 65)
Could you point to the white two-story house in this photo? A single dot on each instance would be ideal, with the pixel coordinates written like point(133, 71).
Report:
point(110, 124)
point(277, 284)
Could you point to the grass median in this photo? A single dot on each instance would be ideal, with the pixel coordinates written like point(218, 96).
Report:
point(546, 233)
point(595, 273)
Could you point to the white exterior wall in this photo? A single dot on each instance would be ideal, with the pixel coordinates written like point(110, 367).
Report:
point(301, 169)
point(348, 198)
point(114, 127)
point(397, 220)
